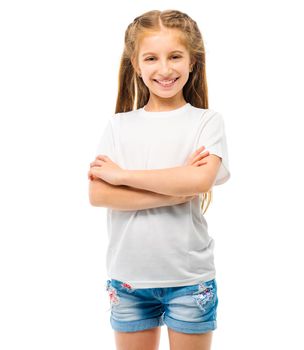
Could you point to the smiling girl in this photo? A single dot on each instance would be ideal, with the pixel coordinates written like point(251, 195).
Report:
point(159, 156)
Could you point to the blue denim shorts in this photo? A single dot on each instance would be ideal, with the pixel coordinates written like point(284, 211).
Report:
point(186, 309)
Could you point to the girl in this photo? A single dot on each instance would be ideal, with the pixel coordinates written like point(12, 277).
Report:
point(150, 171)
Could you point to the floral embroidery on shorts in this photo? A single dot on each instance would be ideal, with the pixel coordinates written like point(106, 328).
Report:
point(126, 285)
point(114, 298)
point(204, 294)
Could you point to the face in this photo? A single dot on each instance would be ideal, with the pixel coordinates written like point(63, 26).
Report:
point(164, 63)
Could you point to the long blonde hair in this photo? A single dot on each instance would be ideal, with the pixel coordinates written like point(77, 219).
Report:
point(133, 93)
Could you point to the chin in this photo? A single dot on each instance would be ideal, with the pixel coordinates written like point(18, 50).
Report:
point(167, 94)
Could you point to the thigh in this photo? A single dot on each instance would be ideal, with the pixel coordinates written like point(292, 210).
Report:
point(133, 310)
point(192, 309)
point(147, 339)
point(182, 341)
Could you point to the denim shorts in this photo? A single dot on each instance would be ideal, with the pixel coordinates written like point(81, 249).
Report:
point(186, 309)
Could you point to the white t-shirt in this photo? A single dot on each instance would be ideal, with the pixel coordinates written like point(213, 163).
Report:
point(166, 246)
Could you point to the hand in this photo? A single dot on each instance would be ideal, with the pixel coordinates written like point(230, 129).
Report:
point(105, 169)
point(196, 158)
point(97, 162)
point(90, 175)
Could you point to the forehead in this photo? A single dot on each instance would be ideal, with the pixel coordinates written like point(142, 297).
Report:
point(166, 40)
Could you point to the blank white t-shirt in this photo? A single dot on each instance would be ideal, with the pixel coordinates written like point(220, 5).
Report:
point(166, 246)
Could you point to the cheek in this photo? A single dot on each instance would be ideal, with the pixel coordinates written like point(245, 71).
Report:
point(183, 69)
point(148, 73)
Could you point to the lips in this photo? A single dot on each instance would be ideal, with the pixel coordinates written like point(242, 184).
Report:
point(166, 83)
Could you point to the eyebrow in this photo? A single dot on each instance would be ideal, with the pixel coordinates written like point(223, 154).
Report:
point(151, 53)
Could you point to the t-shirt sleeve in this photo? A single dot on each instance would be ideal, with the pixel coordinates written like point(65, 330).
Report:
point(213, 137)
point(106, 144)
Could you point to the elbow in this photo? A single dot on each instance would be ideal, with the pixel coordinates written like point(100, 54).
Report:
point(92, 202)
point(94, 194)
point(204, 184)
point(92, 199)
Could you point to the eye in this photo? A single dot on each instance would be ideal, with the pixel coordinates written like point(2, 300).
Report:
point(151, 58)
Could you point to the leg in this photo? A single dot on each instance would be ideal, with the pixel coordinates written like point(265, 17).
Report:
point(191, 316)
point(182, 341)
point(147, 339)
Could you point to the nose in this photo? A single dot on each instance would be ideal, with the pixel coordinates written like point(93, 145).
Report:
point(165, 68)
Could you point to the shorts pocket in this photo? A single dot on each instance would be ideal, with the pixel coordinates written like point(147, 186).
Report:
point(122, 286)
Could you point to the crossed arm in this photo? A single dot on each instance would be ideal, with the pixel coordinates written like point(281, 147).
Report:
point(183, 180)
point(145, 189)
point(103, 194)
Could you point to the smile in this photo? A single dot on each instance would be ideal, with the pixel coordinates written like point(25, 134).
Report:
point(166, 83)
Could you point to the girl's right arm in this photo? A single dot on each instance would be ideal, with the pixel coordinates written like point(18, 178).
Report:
point(103, 194)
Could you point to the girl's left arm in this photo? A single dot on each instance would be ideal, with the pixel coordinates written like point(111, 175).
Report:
point(184, 180)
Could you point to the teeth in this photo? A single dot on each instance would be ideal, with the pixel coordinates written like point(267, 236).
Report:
point(166, 82)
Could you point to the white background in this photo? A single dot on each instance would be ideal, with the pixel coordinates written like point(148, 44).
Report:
point(59, 73)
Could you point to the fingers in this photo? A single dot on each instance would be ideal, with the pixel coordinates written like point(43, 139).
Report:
point(199, 150)
point(99, 160)
point(90, 176)
point(102, 157)
point(96, 163)
point(201, 156)
point(201, 163)
point(190, 159)
point(198, 158)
